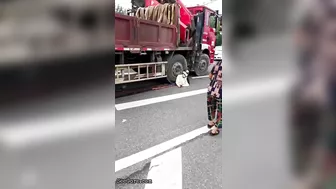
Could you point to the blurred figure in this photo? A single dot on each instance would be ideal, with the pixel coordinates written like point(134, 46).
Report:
point(314, 102)
point(328, 86)
point(305, 115)
point(306, 38)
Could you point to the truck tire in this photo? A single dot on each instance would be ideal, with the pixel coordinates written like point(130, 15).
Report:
point(201, 67)
point(176, 65)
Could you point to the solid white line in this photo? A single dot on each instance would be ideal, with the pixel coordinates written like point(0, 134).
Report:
point(168, 164)
point(255, 91)
point(231, 94)
point(197, 77)
point(139, 103)
point(158, 149)
point(41, 130)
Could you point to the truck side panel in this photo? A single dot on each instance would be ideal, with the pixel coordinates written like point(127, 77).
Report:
point(137, 33)
point(124, 30)
point(156, 35)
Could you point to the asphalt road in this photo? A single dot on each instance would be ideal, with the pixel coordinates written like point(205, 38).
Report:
point(166, 120)
point(253, 123)
point(254, 133)
point(146, 126)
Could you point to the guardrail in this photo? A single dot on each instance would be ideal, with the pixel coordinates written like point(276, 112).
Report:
point(128, 73)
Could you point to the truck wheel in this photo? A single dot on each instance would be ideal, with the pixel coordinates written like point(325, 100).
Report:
point(201, 67)
point(176, 65)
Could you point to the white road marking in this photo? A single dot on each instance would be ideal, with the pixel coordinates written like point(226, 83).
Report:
point(231, 94)
point(38, 131)
point(198, 77)
point(164, 166)
point(158, 149)
point(255, 91)
point(139, 103)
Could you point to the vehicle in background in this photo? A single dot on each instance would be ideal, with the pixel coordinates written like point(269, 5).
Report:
point(147, 49)
point(218, 53)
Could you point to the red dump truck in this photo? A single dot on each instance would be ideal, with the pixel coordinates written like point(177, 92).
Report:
point(147, 49)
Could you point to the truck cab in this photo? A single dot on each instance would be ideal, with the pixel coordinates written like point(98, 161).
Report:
point(206, 29)
point(199, 16)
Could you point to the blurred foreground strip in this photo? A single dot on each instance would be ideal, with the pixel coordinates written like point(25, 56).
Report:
point(26, 133)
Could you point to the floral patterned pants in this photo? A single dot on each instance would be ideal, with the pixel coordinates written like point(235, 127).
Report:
point(215, 110)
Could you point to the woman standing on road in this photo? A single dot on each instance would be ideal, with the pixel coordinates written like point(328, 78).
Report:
point(214, 99)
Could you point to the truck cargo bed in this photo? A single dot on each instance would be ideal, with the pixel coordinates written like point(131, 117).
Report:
point(131, 32)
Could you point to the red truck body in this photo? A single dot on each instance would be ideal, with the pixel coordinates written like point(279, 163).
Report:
point(208, 36)
point(140, 35)
point(148, 49)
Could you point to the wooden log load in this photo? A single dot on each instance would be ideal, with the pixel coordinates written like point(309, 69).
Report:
point(163, 13)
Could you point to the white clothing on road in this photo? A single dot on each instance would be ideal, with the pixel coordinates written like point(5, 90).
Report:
point(182, 79)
